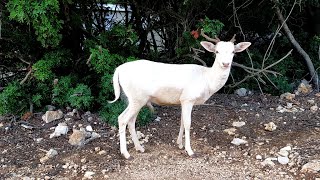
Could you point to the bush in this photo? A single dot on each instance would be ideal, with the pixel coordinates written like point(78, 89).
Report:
point(13, 100)
point(80, 97)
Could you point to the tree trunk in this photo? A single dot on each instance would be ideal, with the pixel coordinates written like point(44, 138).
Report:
point(312, 71)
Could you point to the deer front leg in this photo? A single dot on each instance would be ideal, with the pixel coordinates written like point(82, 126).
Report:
point(186, 116)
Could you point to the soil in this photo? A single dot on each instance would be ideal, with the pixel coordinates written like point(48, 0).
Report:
point(21, 149)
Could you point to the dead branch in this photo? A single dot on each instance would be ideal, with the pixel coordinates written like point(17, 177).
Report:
point(300, 50)
point(20, 57)
point(89, 59)
point(257, 73)
point(27, 76)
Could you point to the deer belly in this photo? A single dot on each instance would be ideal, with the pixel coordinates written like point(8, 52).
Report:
point(166, 96)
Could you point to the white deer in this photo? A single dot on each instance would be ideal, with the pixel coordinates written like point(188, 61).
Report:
point(145, 82)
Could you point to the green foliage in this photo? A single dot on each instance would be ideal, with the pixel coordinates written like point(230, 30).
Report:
point(110, 113)
point(12, 99)
point(61, 89)
point(80, 97)
point(42, 15)
point(44, 68)
point(211, 27)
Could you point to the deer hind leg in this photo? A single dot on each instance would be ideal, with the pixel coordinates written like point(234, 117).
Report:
point(132, 130)
point(179, 140)
point(130, 113)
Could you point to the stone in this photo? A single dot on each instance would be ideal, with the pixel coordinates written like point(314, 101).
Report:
point(283, 160)
point(312, 166)
point(304, 87)
point(238, 123)
point(314, 108)
point(230, 131)
point(287, 96)
point(77, 138)
point(241, 92)
point(287, 148)
point(238, 141)
point(157, 119)
point(88, 174)
point(51, 153)
point(102, 152)
point(89, 128)
point(311, 101)
point(268, 163)
point(283, 153)
point(61, 129)
point(50, 116)
point(258, 157)
point(270, 126)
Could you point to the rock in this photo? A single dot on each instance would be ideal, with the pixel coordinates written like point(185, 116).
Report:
point(238, 141)
point(287, 96)
point(88, 174)
point(95, 135)
point(50, 116)
point(238, 123)
point(77, 138)
point(304, 87)
point(230, 131)
point(258, 157)
point(241, 92)
point(311, 101)
point(270, 126)
point(312, 166)
point(90, 118)
point(283, 160)
point(283, 153)
point(51, 153)
point(158, 119)
point(89, 128)
point(50, 107)
point(97, 149)
point(287, 148)
point(314, 108)
point(44, 159)
point(268, 163)
point(61, 129)
point(102, 152)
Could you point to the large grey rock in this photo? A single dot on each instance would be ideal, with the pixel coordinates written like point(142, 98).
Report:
point(50, 116)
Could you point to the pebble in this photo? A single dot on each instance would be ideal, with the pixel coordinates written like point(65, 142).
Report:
point(102, 152)
point(314, 108)
point(312, 166)
point(51, 153)
point(238, 141)
point(287, 148)
point(258, 157)
point(88, 174)
point(158, 119)
point(270, 126)
point(283, 153)
point(283, 160)
point(229, 131)
point(268, 163)
point(89, 128)
point(238, 123)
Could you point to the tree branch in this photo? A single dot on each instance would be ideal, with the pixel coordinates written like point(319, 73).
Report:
point(301, 51)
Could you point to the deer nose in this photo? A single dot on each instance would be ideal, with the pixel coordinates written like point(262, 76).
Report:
point(226, 64)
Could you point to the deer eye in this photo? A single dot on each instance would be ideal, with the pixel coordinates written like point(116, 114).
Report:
point(217, 52)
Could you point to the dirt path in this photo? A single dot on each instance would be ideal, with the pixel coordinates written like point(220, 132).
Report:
point(21, 149)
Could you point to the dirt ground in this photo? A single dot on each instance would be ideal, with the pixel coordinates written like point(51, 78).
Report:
point(21, 148)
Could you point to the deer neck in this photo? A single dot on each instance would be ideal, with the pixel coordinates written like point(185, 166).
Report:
point(218, 76)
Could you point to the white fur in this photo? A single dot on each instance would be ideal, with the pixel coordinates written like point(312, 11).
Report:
point(145, 82)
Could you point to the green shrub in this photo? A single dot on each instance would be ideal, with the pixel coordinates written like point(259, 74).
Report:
point(110, 113)
point(13, 100)
point(80, 97)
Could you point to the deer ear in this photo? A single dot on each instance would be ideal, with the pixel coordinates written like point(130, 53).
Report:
point(241, 46)
point(208, 46)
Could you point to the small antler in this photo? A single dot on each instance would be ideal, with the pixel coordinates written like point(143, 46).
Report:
point(215, 39)
point(233, 38)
